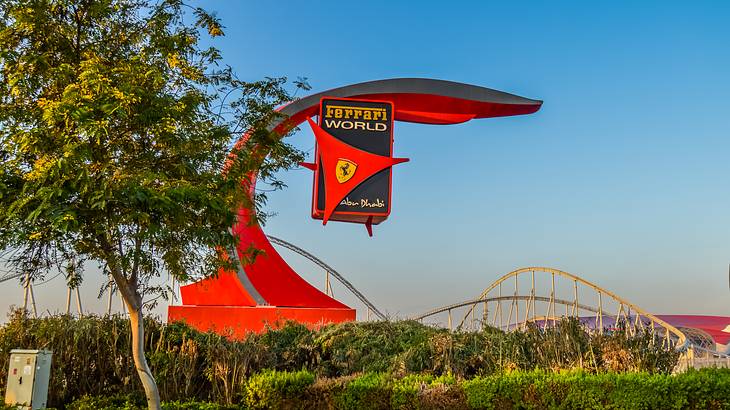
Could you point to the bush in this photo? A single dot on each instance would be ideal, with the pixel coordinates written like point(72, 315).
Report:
point(704, 389)
point(418, 391)
point(270, 389)
point(108, 403)
point(192, 405)
point(206, 367)
point(138, 403)
point(368, 391)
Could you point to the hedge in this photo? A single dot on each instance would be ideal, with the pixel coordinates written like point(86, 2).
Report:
point(91, 356)
point(695, 389)
point(704, 389)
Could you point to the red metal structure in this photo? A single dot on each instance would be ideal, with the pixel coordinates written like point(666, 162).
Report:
point(268, 291)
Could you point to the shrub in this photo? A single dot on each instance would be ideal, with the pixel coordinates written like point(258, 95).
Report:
point(704, 389)
point(350, 348)
point(126, 402)
point(191, 365)
point(270, 389)
point(405, 391)
point(368, 391)
point(417, 391)
point(192, 405)
point(138, 403)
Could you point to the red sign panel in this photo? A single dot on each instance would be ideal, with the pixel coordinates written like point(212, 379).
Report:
point(352, 178)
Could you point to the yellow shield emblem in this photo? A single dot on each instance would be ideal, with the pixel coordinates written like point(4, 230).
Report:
point(345, 170)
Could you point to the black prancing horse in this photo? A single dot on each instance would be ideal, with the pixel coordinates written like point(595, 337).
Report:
point(345, 169)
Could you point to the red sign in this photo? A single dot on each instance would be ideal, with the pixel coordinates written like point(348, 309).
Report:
point(353, 160)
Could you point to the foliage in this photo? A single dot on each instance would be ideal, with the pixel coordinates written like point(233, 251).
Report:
point(125, 402)
point(424, 390)
point(537, 389)
point(368, 391)
point(265, 390)
point(137, 403)
point(193, 405)
point(90, 355)
point(421, 361)
point(115, 126)
point(704, 389)
point(374, 347)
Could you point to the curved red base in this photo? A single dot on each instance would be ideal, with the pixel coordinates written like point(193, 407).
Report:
point(238, 321)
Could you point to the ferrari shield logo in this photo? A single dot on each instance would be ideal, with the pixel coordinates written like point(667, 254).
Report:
point(345, 170)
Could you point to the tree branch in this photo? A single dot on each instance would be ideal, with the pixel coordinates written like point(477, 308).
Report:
point(126, 288)
point(137, 248)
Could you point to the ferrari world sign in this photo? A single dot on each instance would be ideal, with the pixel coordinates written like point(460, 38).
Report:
point(352, 172)
point(352, 183)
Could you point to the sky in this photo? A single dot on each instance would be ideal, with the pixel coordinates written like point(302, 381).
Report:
point(621, 178)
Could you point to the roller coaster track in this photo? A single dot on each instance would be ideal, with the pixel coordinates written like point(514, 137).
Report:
point(505, 306)
point(449, 308)
point(332, 271)
point(288, 245)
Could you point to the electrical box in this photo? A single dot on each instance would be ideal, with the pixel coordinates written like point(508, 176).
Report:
point(28, 377)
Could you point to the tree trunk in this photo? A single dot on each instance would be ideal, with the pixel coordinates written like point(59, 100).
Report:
point(129, 291)
point(140, 362)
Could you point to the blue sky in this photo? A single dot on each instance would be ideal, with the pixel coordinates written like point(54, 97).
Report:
point(622, 176)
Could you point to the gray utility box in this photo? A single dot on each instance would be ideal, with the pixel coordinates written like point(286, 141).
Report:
point(28, 378)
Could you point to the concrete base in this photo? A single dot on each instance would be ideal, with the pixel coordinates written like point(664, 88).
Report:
point(238, 321)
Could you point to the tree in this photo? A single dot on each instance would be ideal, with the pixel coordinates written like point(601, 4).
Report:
point(115, 124)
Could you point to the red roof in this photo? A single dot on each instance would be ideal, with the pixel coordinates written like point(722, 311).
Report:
point(716, 326)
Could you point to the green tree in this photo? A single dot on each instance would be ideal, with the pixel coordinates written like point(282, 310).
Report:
point(115, 124)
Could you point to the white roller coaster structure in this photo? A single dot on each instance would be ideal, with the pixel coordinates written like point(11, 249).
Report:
point(534, 295)
point(545, 291)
